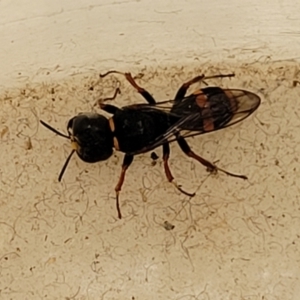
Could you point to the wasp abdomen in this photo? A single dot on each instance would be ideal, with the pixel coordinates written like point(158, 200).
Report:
point(217, 104)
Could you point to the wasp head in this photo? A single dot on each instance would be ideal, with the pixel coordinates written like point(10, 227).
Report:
point(90, 136)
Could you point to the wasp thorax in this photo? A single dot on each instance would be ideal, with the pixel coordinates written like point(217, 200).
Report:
point(91, 137)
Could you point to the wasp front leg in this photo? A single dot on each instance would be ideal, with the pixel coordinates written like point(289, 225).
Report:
point(126, 163)
point(111, 109)
point(147, 96)
point(166, 154)
point(108, 108)
point(210, 166)
point(117, 91)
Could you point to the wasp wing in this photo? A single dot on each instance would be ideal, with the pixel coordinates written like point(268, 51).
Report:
point(202, 120)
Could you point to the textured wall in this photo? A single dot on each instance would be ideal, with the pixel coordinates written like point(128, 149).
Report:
point(234, 240)
point(64, 37)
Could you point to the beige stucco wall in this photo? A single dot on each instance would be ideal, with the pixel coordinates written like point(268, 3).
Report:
point(234, 240)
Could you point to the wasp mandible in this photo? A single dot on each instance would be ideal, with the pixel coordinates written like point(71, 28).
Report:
point(139, 128)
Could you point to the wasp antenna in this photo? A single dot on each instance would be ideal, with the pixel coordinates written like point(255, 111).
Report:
point(65, 166)
point(54, 130)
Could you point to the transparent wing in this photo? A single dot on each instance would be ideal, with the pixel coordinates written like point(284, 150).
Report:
point(196, 122)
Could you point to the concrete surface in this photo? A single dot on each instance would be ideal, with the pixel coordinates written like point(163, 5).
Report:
point(235, 240)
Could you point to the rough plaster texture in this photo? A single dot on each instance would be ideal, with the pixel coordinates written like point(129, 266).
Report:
point(234, 240)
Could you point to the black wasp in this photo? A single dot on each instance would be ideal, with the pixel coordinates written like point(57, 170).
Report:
point(139, 128)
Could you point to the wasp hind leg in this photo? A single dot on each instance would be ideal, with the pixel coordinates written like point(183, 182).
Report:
point(147, 96)
point(183, 89)
point(210, 166)
point(166, 154)
point(126, 163)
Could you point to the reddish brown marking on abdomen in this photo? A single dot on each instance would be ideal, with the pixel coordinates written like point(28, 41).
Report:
point(203, 102)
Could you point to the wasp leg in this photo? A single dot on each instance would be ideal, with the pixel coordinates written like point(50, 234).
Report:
point(126, 163)
point(139, 89)
point(111, 109)
point(117, 91)
point(210, 166)
point(110, 72)
point(100, 101)
point(166, 154)
point(183, 89)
